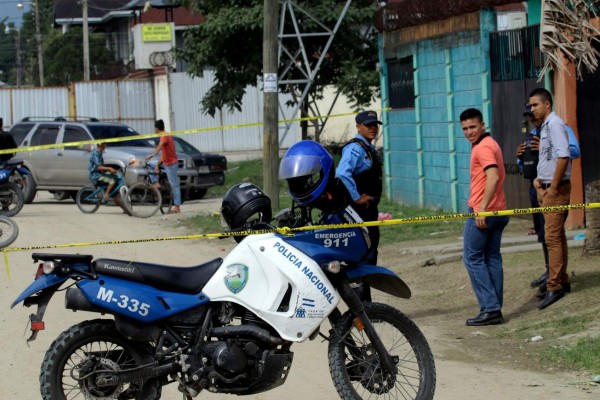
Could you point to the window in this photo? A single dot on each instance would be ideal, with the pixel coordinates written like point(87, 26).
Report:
point(74, 134)
point(19, 132)
point(44, 134)
point(401, 83)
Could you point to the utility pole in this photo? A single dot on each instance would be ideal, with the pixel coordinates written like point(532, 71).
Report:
point(38, 40)
point(86, 41)
point(270, 102)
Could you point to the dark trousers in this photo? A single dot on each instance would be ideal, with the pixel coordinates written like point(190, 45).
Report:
point(369, 214)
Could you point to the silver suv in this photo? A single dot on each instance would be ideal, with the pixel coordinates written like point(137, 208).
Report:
point(66, 168)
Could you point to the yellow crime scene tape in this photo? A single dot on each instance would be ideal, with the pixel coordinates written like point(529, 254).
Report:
point(154, 135)
point(290, 231)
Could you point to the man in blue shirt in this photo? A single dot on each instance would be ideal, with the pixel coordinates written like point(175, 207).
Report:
point(361, 171)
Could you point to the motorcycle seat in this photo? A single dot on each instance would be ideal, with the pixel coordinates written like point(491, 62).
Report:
point(165, 277)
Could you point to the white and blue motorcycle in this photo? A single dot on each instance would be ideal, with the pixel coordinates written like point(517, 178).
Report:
point(228, 325)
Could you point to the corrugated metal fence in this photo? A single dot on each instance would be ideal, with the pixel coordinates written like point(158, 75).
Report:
point(186, 95)
point(132, 102)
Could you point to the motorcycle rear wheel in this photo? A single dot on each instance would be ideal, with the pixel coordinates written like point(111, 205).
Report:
point(355, 366)
point(88, 199)
point(11, 199)
point(67, 369)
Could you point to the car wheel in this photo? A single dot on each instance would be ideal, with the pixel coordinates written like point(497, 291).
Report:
point(61, 195)
point(197, 194)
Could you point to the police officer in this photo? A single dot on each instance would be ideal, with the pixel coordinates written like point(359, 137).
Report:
point(360, 169)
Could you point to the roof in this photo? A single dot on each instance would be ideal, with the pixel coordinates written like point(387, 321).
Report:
point(100, 11)
point(398, 14)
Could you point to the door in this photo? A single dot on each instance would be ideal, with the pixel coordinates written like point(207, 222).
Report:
point(72, 161)
point(42, 162)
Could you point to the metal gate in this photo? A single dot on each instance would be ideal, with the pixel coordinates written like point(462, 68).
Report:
point(588, 121)
point(516, 61)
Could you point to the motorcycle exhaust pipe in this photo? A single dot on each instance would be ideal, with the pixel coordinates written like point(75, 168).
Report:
point(76, 301)
point(247, 331)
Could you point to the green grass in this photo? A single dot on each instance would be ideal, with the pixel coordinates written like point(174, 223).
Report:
point(585, 354)
point(251, 171)
point(552, 328)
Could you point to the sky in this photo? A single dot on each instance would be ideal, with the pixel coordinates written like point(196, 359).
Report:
point(8, 8)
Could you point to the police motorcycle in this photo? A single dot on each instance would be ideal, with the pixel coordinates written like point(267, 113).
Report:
point(12, 173)
point(228, 325)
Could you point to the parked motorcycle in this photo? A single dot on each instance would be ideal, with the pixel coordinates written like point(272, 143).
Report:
point(228, 325)
point(11, 194)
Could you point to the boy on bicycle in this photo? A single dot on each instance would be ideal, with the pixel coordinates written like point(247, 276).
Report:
point(103, 174)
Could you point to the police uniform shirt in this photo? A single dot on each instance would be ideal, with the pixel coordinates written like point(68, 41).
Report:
point(354, 161)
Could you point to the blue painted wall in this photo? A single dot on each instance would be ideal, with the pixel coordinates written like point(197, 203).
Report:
point(427, 156)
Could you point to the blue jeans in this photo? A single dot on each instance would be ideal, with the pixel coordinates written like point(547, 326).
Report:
point(484, 262)
point(171, 171)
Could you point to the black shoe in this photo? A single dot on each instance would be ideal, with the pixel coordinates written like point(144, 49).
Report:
point(566, 287)
point(552, 296)
point(486, 318)
point(541, 292)
point(540, 281)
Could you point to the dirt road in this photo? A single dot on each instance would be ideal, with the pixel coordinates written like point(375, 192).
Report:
point(47, 222)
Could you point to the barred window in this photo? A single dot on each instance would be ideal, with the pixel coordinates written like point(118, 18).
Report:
point(401, 83)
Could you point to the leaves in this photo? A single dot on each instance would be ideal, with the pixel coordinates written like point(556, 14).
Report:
point(230, 40)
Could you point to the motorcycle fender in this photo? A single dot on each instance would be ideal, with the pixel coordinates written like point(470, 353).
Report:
point(41, 283)
point(136, 300)
point(379, 278)
point(23, 170)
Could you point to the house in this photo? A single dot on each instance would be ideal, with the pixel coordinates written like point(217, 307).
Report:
point(116, 18)
point(439, 59)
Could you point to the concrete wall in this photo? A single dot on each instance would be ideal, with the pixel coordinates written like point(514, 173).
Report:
point(426, 155)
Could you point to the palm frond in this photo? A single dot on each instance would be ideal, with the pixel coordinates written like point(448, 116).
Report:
point(567, 35)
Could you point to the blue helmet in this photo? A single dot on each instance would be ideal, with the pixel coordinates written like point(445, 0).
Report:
point(307, 167)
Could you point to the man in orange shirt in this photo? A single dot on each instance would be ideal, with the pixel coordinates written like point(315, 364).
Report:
point(483, 235)
point(168, 158)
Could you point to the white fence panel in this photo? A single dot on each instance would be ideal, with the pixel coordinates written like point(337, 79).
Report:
point(136, 99)
point(127, 102)
point(16, 104)
point(186, 96)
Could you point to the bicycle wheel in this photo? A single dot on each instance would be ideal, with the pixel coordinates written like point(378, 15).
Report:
point(8, 231)
point(144, 200)
point(167, 196)
point(88, 199)
point(355, 366)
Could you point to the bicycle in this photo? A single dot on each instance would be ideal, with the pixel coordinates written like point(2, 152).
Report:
point(165, 187)
point(141, 201)
point(9, 230)
point(144, 199)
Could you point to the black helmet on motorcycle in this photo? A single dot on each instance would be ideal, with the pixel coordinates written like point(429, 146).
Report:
point(245, 202)
point(308, 168)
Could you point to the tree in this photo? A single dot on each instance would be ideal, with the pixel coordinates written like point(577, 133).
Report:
point(229, 42)
point(63, 55)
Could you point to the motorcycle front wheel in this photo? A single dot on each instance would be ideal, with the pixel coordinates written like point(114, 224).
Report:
point(68, 369)
point(355, 366)
point(11, 198)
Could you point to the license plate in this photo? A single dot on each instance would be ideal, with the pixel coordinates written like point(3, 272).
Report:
point(203, 169)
